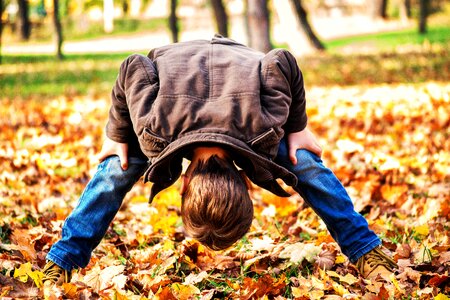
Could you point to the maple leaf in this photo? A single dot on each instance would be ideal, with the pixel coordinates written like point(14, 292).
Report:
point(264, 285)
point(266, 243)
point(25, 271)
point(24, 243)
point(297, 252)
point(16, 289)
point(195, 278)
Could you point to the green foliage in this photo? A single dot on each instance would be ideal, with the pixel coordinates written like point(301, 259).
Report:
point(391, 40)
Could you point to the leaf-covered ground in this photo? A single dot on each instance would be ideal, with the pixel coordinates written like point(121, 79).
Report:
point(389, 144)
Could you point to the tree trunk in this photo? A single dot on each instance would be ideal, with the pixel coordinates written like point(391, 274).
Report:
point(408, 8)
point(173, 20)
point(257, 18)
point(404, 7)
point(108, 16)
point(377, 8)
point(383, 9)
point(423, 14)
point(221, 17)
point(135, 8)
point(58, 30)
point(24, 20)
point(303, 19)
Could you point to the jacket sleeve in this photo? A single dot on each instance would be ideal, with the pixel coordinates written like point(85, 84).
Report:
point(283, 82)
point(297, 118)
point(135, 84)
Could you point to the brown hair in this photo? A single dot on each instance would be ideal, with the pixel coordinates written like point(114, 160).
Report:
point(216, 208)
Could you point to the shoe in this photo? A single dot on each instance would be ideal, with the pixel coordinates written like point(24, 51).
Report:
point(54, 274)
point(375, 263)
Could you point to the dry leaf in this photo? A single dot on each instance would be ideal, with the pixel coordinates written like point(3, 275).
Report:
point(326, 259)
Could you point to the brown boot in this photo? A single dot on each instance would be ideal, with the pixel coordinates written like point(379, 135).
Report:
point(54, 274)
point(375, 263)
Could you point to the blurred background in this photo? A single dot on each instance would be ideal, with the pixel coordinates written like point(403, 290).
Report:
point(49, 47)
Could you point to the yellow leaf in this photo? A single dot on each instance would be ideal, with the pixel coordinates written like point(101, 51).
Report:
point(22, 272)
point(120, 296)
point(333, 274)
point(139, 199)
point(441, 297)
point(37, 277)
point(422, 229)
point(339, 289)
point(348, 278)
point(298, 292)
point(396, 284)
point(316, 294)
point(168, 245)
point(185, 292)
point(340, 259)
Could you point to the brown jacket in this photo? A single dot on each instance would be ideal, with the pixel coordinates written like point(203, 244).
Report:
point(217, 91)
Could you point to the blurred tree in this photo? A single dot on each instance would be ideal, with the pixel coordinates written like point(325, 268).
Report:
point(377, 8)
point(23, 21)
point(58, 30)
point(135, 8)
point(383, 9)
point(258, 25)
point(303, 19)
point(108, 15)
point(423, 14)
point(125, 7)
point(173, 21)
point(404, 9)
point(221, 17)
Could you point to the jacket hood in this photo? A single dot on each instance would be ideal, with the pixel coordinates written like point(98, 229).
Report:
point(258, 169)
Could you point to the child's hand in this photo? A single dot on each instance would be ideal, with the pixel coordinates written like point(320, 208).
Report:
point(110, 148)
point(304, 139)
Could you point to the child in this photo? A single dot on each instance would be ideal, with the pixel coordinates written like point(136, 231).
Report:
point(220, 105)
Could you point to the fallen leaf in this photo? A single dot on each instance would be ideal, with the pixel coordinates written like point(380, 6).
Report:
point(195, 278)
point(18, 289)
point(297, 252)
point(326, 259)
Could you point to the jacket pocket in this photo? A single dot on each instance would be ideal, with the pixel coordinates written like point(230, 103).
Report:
point(266, 143)
point(151, 143)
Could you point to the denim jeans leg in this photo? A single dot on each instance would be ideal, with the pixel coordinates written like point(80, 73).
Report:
point(321, 189)
point(86, 225)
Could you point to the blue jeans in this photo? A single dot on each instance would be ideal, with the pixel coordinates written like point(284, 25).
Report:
point(103, 196)
point(324, 193)
point(86, 225)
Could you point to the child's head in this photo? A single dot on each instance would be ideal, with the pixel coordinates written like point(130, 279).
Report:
point(216, 207)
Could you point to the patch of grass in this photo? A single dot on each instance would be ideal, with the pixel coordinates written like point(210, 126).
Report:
point(390, 68)
point(23, 76)
point(391, 40)
point(5, 232)
point(84, 29)
point(121, 27)
point(42, 75)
